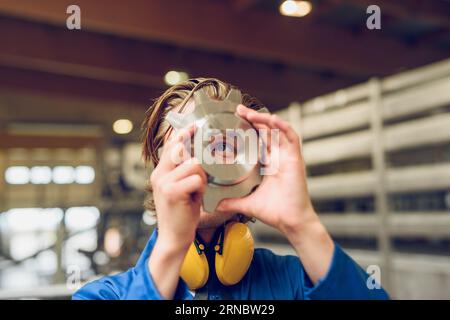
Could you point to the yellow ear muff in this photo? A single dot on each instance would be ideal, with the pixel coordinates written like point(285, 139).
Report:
point(236, 255)
point(195, 269)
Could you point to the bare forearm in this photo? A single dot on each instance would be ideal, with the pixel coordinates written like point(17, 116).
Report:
point(164, 265)
point(314, 246)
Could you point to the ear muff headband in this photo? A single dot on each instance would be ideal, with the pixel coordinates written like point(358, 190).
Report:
point(234, 253)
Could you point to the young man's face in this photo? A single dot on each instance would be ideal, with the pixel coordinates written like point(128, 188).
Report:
point(207, 220)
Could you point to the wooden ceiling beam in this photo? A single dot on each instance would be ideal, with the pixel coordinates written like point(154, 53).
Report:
point(50, 84)
point(435, 12)
point(243, 5)
point(116, 61)
point(214, 25)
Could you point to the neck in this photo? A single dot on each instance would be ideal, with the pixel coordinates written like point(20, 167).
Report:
point(206, 233)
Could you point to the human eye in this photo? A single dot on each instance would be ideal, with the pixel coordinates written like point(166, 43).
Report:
point(222, 146)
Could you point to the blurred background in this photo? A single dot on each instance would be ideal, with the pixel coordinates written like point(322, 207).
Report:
point(372, 106)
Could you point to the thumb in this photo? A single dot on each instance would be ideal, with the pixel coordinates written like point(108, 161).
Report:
point(236, 205)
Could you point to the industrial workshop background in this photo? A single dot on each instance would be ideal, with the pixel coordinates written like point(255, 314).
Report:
point(372, 107)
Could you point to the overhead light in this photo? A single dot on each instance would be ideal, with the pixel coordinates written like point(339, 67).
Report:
point(63, 175)
point(45, 175)
point(100, 258)
point(17, 175)
point(41, 175)
point(81, 218)
point(174, 77)
point(149, 218)
point(84, 174)
point(122, 126)
point(294, 8)
point(33, 219)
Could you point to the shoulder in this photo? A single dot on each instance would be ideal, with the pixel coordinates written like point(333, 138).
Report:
point(268, 256)
point(108, 287)
point(268, 261)
point(279, 276)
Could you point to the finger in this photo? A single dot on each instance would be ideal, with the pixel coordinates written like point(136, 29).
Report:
point(266, 134)
point(192, 184)
point(187, 168)
point(182, 134)
point(265, 142)
point(286, 128)
point(236, 205)
point(243, 111)
point(263, 132)
point(275, 122)
point(268, 120)
point(172, 157)
point(174, 151)
point(263, 118)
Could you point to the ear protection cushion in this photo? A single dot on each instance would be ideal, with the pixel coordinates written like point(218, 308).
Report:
point(237, 254)
point(232, 258)
point(195, 269)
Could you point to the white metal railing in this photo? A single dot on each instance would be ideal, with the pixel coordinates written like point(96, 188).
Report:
point(410, 110)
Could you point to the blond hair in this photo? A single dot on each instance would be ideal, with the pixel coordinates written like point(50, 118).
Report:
point(155, 128)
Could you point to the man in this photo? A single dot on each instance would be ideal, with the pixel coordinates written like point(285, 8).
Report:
point(322, 271)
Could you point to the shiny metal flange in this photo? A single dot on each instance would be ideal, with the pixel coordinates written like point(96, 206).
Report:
point(229, 179)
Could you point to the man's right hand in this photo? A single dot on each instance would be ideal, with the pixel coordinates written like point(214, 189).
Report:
point(177, 192)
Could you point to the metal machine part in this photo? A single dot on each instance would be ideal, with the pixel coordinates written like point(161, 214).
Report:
point(239, 174)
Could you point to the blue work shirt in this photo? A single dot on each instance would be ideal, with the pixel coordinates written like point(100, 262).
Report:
point(269, 277)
